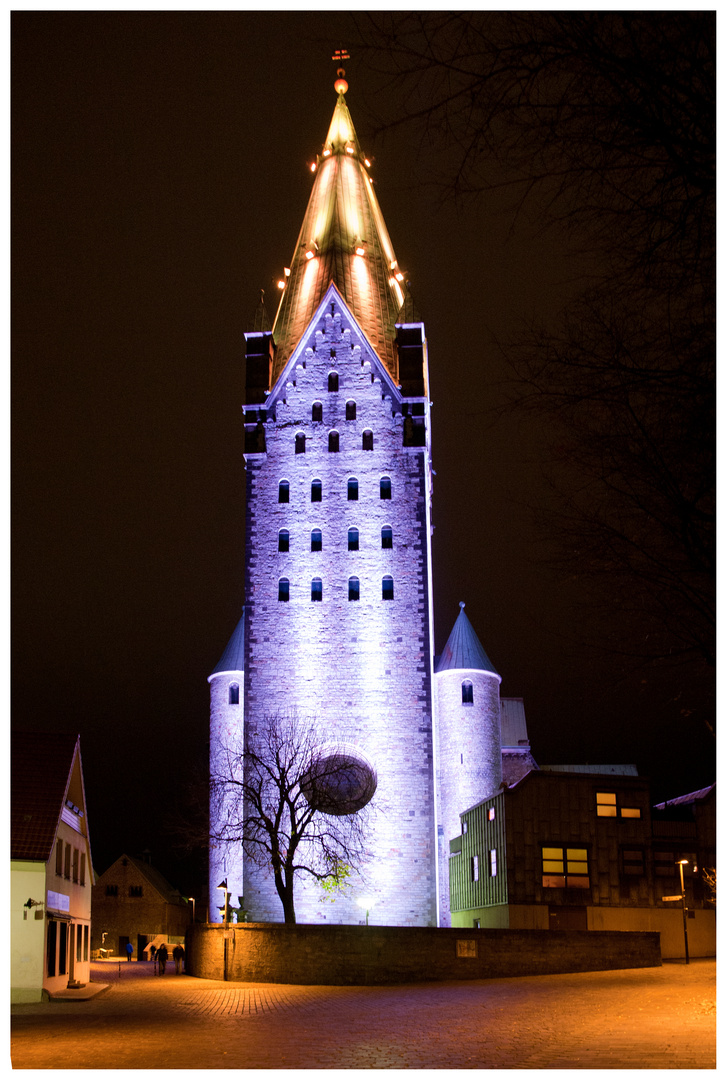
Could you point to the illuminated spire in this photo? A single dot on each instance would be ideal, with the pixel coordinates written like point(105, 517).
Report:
point(344, 240)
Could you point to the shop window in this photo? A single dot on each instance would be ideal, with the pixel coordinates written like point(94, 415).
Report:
point(467, 693)
point(367, 440)
point(332, 442)
point(353, 588)
point(350, 410)
point(387, 588)
point(284, 590)
point(332, 382)
point(316, 540)
point(316, 491)
point(565, 867)
point(387, 537)
point(283, 540)
point(385, 487)
point(234, 694)
point(353, 539)
point(283, 491)
point(316, 589)
point(353, 490)
point(317, 411)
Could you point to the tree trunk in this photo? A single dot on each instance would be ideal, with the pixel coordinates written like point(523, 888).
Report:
point(284, 886)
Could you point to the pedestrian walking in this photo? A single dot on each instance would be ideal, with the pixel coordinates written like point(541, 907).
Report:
point(129, 950)
point(162, 955)
point(178, 954)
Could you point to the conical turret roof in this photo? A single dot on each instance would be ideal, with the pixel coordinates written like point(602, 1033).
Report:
point(343, 239)
point(233, 658)
point(463, 649)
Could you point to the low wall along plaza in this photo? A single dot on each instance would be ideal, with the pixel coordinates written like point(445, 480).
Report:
point(371, 955)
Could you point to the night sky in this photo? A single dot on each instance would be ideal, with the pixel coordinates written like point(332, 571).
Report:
point(159, 180)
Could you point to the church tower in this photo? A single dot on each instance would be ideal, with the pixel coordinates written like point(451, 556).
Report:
point(337, 624)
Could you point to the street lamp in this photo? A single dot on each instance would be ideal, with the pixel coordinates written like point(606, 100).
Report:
point(681, 863)
point(366, 903)
point(223, 886)
point(190, 900)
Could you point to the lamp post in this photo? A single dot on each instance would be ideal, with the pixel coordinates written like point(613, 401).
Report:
point(681, 863)
point(190, 900)
point(223, 886)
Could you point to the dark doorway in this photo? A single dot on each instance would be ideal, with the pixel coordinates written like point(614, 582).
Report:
point(123, 942)
point(142, 941)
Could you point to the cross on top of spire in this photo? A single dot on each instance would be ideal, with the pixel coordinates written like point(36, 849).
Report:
point(340, 85)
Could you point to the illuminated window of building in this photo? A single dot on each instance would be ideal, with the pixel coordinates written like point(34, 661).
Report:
point(475, 868)
point(83, 868)
point(136, 890)
point(317, 411)
point(76, 853)
point(234, 694)
point(467, 693)
point(332, 442)
point(608, 804)
point(387, 537)
point(316, 491)
point(332, 382)
point(367, 441)
point(283, 491)
point(300, 443)
point(67, 863)
point(112, 890)
point(493, 862)
point(316, 540)
point(491, 814)
point(284, 589)
point(464, 827)
point(353, 588)
point(59, 858)
point(630, 811)
point(353, 539)
point(565, 867)
point(385, 487)
point(352, 490)
point(350, 410)
point(387, 588)
point(632, 862)
point(283, 540)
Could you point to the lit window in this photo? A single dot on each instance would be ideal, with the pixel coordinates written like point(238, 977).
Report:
point(316, 491)
point(632, 860)
point(464, 827)
point(387, 537)
point(493, 862)
point(467, 693)
point(353, 490)
point(367, 441)
point(234, 695)
point(630, 811)
point(317, 411)
point(316, 589)
point(353, 539)
point(283, 540)
point(606, 804)
point(283, 491)
point(565, 868)
point(475, 868)
point(491, 814)
point(332, 382)
point(300, 443)
point(350, 410)
point(385, 487)
point(284, 589)
point(316, 540)
point(353, 588)
point(387, 588)
point(332, 442)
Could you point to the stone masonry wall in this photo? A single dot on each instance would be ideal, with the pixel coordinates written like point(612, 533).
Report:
point(226, 747)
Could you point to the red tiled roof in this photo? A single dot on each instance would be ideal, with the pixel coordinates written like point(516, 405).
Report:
point(39, 771)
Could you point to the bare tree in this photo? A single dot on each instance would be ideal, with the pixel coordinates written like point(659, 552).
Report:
point(295, 805)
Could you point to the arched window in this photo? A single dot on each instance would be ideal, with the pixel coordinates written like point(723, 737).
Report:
point(332, 382)
point(367, 442)
point(385, 487)
point(467, 693)
point(316, 491)
point(283, 491)
point(300, 443)
point(353, 539)
point(332, 442)
point(353, 588)
point(316, 589)
point(317, 411)
point(350, 410)
point(283, 540)
point(283, 589)
point(316, 540)
point(234, 695)
point(387, 588)
point(353, 489)
point(387, 537)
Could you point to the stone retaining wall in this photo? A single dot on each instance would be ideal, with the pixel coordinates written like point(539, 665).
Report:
point(371, 955)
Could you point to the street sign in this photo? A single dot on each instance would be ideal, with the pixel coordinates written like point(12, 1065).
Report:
point(672, 897)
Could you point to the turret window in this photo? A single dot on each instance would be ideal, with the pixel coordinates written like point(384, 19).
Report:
point(283, 540)
point(353, 539)
point(350, 410)
point(332, 382)
point(367, 442)
point(316, 491)
point(300, 443)
point(332, 442)
point(353, 588)
point(385, 487)
point(353, 490)
point(316, 540)
point(387, 537)
point(467, 693)
point(234, 695)
point(387, 588)
point(283, 491)
point(317, 411)
point(316, 589)
point(284, 589)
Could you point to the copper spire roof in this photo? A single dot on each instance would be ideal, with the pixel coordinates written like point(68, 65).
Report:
point(463, 650)
point(344, 240)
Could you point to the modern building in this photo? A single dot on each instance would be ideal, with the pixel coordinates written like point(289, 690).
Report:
point(134, 903)
point(51, 874)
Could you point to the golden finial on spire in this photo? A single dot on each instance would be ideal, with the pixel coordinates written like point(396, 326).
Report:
point(340, 85)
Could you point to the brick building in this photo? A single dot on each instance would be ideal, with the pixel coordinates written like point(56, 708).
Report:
point(133, 902)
